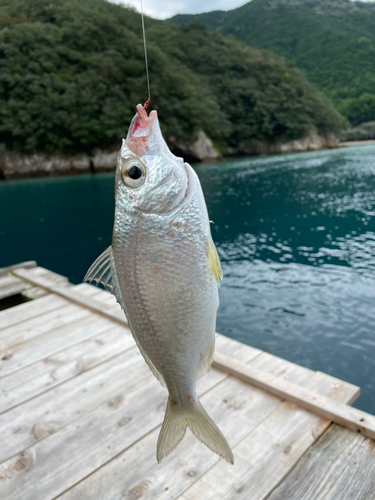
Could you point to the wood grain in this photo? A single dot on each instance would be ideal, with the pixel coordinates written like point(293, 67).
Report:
point(66, 456)
point(8, 269)
point(10, 285)
point(24, 312)
point(50, 343)
point(236, 407)
point(30, 381)
point(340, 466)
point(265, 456)
point(327, 408)
point(43, 415)
point(72, 295)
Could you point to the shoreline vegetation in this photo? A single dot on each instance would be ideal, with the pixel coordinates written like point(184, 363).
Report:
point(72, 73)
point(17, 166)
point(333, 41)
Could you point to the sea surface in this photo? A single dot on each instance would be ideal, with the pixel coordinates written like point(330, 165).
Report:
point(296, 238)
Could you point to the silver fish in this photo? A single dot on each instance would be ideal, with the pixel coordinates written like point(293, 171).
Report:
point(164, 271)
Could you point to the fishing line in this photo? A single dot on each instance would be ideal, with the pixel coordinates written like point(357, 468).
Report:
point(146, 62)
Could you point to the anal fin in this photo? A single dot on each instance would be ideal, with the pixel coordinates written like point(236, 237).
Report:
point(150, 364)
point(207, 360)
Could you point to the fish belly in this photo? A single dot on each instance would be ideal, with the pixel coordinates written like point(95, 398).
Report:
point(170, 299)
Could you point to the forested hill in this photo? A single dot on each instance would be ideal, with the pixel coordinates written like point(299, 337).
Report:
point(71, 73)
point(332, 40)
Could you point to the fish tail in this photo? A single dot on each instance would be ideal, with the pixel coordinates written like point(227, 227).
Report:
point(176, 421)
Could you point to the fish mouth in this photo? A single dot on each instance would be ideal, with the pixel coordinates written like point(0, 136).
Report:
point(141, 125)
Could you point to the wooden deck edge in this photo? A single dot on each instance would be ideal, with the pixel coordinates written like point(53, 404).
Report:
point(323, 406)
point(25, 265)
point(73, 296)
point(328, 408)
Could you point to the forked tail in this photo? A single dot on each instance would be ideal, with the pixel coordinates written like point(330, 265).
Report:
point(176, 421)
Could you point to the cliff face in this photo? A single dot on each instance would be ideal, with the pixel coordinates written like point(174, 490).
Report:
point(17, 165)
point(313, 142)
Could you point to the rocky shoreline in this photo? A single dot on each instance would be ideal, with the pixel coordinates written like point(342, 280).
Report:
point(17, 165)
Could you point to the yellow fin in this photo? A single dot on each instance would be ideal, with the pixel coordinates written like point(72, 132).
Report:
point(213, 261)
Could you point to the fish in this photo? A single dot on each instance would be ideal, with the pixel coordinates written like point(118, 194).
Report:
point(164, 270)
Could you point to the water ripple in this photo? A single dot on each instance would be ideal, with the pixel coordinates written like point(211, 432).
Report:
point(296, 237)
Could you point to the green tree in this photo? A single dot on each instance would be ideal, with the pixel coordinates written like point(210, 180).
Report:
point(72, 71)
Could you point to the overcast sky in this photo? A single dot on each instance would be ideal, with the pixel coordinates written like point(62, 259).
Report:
point(163, 9)
point(167, 8)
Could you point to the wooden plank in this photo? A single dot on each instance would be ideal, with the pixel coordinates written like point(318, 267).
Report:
point(73, 296)
point(235, 406)
point(64, 458)
point(20, 286)
point(281, 368)
point(44, 322)
point(27, 383)
point(47, 413)
point(144, 477)
point(340, 466)
point(267, 454)
point(220, 363)
point(327, 408)
point(47, 274)
point(10, 286)
point(24, 312)
point(26, 265)
point(50, 343)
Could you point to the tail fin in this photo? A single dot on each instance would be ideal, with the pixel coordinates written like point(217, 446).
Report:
point(176, 421)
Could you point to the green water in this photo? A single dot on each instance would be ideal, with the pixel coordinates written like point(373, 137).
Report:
point(295, 234)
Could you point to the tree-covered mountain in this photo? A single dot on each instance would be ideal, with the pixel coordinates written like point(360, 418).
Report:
point(333, 41)
point(72, 71)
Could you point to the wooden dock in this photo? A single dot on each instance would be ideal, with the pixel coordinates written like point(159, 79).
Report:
point(80, 412)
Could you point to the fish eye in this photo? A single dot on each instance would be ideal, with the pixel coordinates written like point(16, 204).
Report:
point(134, 174)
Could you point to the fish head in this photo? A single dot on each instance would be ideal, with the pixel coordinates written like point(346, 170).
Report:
point(149, 178)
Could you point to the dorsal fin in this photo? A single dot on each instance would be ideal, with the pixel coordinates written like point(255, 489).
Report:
point(103, 271)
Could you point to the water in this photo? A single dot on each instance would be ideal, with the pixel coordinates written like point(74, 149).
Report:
point(295, 234)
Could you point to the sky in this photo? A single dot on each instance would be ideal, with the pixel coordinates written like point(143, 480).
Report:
point(163, 9)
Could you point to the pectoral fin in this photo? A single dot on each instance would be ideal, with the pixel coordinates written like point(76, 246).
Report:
point(103, 271)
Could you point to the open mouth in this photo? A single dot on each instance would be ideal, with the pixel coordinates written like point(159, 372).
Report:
point(141, 124)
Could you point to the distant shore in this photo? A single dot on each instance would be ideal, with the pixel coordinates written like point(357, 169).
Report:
point(21, 166)
point(356, 143)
